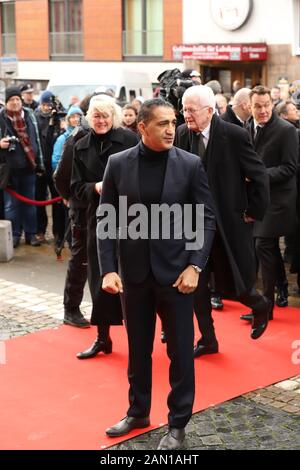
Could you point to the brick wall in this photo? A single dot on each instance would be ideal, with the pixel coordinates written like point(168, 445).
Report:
point(32, 29)
point(172, 26)
point(102, 29)
point(281, 63)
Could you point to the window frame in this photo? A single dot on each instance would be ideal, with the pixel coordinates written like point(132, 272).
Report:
point(144, 31)
point(67, 34)
point(6, 35)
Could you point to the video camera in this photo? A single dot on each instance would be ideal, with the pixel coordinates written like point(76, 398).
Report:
point(57, 108)
point(172, 86)
point(12, 139)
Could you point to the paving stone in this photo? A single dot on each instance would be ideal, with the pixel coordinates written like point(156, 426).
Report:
point(288, 385)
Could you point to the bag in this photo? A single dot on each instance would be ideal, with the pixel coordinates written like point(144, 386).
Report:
point(4, 175)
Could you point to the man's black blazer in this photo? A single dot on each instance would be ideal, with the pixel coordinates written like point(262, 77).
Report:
point(185, 183)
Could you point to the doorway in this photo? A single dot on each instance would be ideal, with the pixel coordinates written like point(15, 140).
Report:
point(249, 74)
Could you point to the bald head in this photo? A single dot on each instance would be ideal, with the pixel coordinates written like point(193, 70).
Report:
point(242, 95)
point(241, 105)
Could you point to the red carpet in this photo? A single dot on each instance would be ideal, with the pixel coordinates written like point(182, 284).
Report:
point(51, 400)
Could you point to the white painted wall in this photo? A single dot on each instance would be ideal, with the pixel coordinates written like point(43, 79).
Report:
point(271, 21)
point(46, 70)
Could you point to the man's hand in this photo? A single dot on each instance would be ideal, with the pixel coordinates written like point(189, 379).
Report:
point(112, 283)
point(98, 187)
point(4, 143)
point(248, 220)
point(187, 281)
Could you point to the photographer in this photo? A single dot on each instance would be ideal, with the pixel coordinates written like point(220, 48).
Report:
point(20, 148)
point(49, 117)
point(173, 84)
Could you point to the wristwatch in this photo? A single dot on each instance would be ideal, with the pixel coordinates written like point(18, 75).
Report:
point(196, 268)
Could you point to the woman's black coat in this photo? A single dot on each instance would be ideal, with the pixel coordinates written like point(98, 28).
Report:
point(88, 168)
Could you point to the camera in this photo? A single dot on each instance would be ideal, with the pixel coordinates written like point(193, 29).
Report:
point(57, 108)
point(12, 143)
point(172, 86)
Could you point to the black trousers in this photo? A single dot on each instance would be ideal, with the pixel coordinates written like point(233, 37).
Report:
point(271, 264)
point(202, 306)
point(58, 209)
point(77, 269)
point(141, 302)
point(203, 309)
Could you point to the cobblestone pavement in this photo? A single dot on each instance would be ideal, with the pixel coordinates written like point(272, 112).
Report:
point(267, 418)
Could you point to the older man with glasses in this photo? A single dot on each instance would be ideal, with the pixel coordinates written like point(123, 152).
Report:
point(239, 185)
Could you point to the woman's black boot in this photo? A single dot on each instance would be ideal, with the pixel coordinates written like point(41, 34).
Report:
point(102, 343)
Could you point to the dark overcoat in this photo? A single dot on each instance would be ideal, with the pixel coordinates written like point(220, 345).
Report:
point(230, 116)
point(185, 182)
point(88, 168)
point(230, 161)
point(277, 146)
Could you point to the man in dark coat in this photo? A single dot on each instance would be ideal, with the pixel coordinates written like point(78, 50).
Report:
point(240, 110)
point(276, 143)
point(239, 185)
point(160, 272)
point(77, 268)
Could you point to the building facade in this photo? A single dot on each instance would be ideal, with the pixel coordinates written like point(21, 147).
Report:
point(253, 41)
point(42, 38)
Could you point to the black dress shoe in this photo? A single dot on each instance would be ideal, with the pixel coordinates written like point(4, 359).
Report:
point(260, 320)
point(173, 440)
point(202, 349)
point(126, 425)
point(216, 303)
point(97, 346)
point(75, 318)
point(282, 298)
point(249, 316)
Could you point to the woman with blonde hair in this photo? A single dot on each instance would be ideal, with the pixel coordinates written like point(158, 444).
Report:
point(91, 153)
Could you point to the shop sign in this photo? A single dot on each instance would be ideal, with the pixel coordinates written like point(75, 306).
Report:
point(221, 52)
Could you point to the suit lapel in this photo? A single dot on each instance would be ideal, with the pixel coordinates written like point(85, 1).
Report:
point(172, 175)
point(216, 145)
point(133, 176)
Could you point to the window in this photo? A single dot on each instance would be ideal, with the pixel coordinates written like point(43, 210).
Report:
point(143, 28)
point(65, 29)
point(8, 28)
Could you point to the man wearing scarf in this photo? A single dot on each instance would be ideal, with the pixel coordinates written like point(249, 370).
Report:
point(24, 159)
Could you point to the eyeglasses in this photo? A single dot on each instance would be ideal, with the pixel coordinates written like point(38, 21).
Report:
point(193, 110)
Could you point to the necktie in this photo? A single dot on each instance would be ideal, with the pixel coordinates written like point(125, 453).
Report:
point(201, 146)
point(258, 130)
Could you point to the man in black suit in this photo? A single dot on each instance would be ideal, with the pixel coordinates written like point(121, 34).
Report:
point(239, 185)
point(159, 270)
point(276, 143)
point(240, 110)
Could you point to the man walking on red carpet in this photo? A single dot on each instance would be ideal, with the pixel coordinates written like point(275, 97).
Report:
point(160, 269)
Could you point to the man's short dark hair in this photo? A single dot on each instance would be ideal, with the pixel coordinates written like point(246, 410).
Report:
point(146, 111)
point(260, 90)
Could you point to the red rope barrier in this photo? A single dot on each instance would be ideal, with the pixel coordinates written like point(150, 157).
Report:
point(32, 201)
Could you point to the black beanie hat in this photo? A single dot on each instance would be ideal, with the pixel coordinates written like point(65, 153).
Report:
point(12, 91)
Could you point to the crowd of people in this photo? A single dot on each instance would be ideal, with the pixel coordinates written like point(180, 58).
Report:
point(239, 159)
